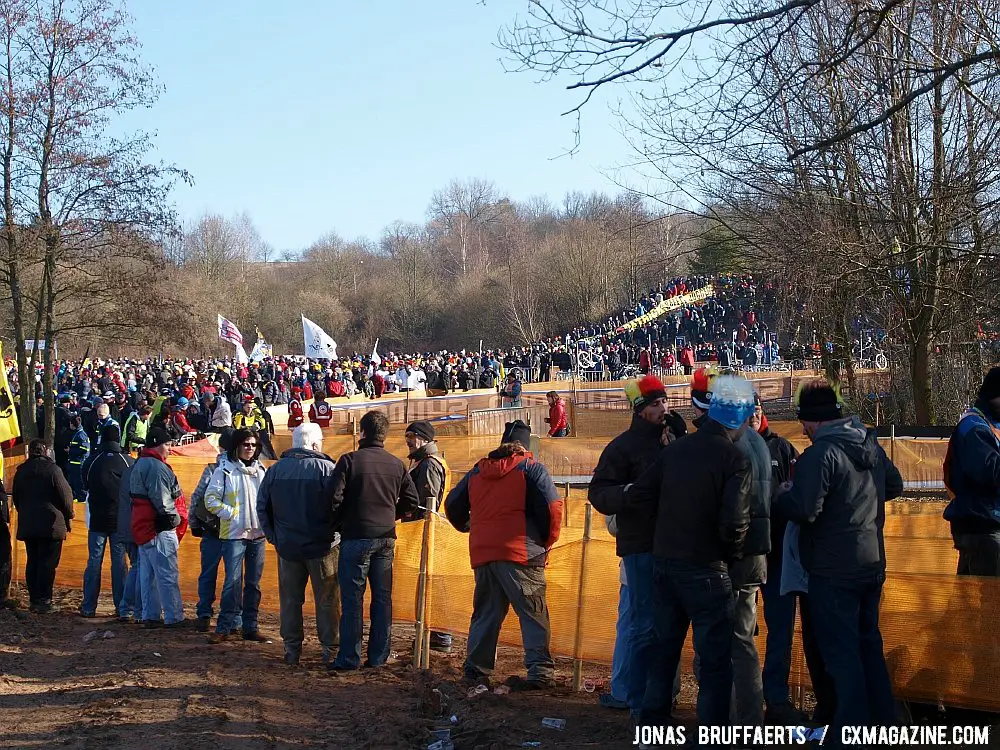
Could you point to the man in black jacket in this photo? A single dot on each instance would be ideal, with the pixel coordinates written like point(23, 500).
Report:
point(371, 490)
point(779, 609)
point(700, 486)
point(841, 482)
point(623, 462)
point(102, 478)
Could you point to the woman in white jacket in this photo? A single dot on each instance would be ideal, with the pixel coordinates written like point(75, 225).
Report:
point(232, 497)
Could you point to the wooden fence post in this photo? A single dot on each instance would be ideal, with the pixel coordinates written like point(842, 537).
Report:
point(421, 603)
point(430, 519)
point(578, 644)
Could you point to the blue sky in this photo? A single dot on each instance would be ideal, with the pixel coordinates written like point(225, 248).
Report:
point(317, 116)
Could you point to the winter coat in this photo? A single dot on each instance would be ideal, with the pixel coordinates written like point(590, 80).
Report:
point(430, 475)
point(103, 479)
point(700, 487)
point(123, 525)
point(623, 461)
point(232, 497)
point(557, 417)
point(43, 500)
point(783, 456)
point(973, 474)
point(157, 501)
point(509, 507)
point(200, 521)
point(371, 490)
point(837, 498)
point(294, 505)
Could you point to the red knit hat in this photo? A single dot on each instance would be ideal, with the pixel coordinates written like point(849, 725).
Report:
point(644, 391)
point(701, 389)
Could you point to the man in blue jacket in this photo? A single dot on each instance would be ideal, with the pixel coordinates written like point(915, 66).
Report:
point(972, 475)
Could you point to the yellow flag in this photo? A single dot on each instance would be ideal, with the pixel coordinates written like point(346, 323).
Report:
point(8, 414)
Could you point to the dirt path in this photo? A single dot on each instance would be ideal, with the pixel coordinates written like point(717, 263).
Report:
point(168, 689)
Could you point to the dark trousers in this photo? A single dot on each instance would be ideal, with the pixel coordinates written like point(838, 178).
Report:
point(978, 554)
point(5, 560)
point(500, 585)
point(688, 594)
point(40, 568)
point(845, 620)
point(779, 614)
point(364, 561)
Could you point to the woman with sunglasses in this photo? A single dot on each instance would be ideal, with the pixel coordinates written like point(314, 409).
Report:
point(232, 497)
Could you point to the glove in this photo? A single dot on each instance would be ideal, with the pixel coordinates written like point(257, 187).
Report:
point(676, 424)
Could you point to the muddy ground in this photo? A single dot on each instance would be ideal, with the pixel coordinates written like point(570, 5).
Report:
point(63, 684)
point(171, 689)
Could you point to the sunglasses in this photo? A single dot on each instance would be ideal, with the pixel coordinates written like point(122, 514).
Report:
point(251, 446)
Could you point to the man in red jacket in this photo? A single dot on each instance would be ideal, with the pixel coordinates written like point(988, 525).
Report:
point(512, 512)
point(159, 520)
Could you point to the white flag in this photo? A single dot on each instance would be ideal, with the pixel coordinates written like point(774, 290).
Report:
point(241, 355)
point(229, 332)
point(318, 343)
point(376, 360)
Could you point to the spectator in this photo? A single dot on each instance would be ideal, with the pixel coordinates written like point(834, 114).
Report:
point(558, 426)
point(249, 417)
point(159, 520)
point(295, 408)
point(6, 562)
point(430, 475)
point(79, 450)
point(231, 497)
point(840, 482)
point(702, 518)
point(972, 474)
point(135, 429)
point(320, 412)
point(205, 526)
point(102, 479)
point(371, 490)
point(130, 605)
point(294, 507)
point(44, 503)
point(220, 415)
point(623, 461)
point(510, 396)
point(512, 513)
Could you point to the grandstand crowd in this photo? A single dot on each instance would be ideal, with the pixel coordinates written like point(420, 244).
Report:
point(705, 520)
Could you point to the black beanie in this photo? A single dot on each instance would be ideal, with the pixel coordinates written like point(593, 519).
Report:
point(990, 388)
point(422, 429)
point(517, 432)
point(157, 436)
point(819, 404)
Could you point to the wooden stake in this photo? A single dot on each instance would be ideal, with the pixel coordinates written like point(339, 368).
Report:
point(578, 644)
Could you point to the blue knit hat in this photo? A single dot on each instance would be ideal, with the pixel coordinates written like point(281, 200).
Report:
point(732, 401)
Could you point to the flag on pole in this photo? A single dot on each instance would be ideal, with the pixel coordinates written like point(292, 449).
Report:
point(9, 428)
point(261, 349)
point(376, 360)
point(229, 332)
point(241, 355)
point(318, 344)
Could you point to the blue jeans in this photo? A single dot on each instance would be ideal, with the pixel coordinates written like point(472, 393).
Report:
point(96, 544)
point(646, 686)
point(363, 561)
point(161, 593)
point(131, 602)
point(620, 665)
point(244, 562)
point(845, 619)
point(211, 556)
point(688, 594)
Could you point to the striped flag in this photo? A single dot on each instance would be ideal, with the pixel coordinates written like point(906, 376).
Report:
point(229, 332)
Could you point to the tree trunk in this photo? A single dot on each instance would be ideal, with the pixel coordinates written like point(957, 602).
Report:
point(920, 379)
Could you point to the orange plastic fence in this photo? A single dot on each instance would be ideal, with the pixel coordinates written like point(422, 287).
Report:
point(938, 628)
